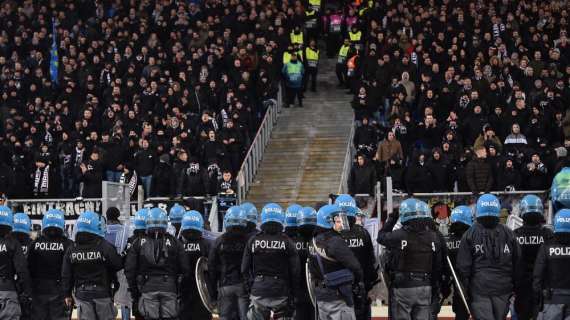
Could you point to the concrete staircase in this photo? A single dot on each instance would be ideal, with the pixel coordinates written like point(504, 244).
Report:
point(304, 160)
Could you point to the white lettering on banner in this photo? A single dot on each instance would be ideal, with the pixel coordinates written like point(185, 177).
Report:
point(266, 244)
point(479, 248)
point(355, 243)
point(168, 244)
point(143, 240)
point(86, 256)
point(49, 246)
point(507, 250)
point(563, 219)
point(433, 246)
point(191, 247)
point(559, 251)
point(70, 208)
point(3, 248)
point(530, 240)
point(404, 244)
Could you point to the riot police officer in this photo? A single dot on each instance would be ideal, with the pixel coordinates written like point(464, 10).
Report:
point(291, 225)
point(251, 218)
point(15, 295)
point(486, 261)
point(45, 259)
point(153, 267)
point(550, 276)
point(307, 220)
point(270, 267)
point(224, 265)
point(333, 266)
point(175, 217)
point(21, 231)
point(88, 268)
point(360, 243)
point(461, 220)
point(530, 237)
point(416, 261)
point(195, 247)
point(139, 229)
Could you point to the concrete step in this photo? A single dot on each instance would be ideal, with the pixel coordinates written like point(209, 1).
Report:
point(305, 156)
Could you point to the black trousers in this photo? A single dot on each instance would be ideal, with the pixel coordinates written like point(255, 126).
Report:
point(310, 72)
point(292, 93)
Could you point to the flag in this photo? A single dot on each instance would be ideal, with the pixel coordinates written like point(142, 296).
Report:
point(54, 58)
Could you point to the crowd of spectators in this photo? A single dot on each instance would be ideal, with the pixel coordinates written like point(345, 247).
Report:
point(462, 96)
point(170, 92)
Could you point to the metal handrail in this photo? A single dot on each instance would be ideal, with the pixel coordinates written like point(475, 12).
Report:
point(254, 155)
point(349, 156)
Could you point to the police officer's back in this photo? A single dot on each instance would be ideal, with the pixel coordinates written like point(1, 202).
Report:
point(550, 278)
point(153, 267)
point(88, 268)
point(21, 231)
point(270, 266)
point(224, 265)
point(486, 261)
point(139, 228)
point(138, 223)
point(461, 220)
point(530, 237)
point(45, 260)
point(307, 220)
point(416, 260)
point(360, 243)
point(15, 286)
point(195, 247)
point(331, 256)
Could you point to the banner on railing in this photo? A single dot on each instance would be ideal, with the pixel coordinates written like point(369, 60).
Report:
point(72, 208)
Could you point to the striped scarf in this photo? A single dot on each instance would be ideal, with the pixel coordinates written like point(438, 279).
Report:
point(41, 181)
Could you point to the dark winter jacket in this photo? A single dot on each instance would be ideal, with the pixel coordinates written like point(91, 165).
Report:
point(479, 175)
point(362, 179)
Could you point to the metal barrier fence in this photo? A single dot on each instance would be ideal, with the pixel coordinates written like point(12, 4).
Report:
point(442, 202)
point(255, 153)
point(348, 161)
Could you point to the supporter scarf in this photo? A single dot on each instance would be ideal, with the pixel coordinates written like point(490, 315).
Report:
point(41, 181)
point(132, 182)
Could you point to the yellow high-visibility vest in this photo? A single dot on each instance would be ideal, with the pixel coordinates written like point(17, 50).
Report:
point(342, 53)
point(315, 4)
point(312, 57)
point(296, 38)
point(300, 54)
point(355, 36)
point(286, 57)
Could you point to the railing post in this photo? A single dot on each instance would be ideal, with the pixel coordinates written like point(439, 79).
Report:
point(378, 201)
point(389, 196)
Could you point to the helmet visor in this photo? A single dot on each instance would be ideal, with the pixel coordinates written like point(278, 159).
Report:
point(340, 222)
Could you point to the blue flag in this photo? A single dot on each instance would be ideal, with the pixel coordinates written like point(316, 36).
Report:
point(54, 58)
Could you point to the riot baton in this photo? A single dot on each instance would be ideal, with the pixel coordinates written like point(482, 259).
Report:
point(458, 285)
